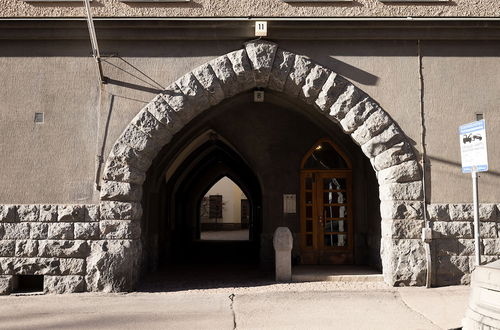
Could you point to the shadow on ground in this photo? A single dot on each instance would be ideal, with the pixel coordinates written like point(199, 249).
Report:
point(197, 277)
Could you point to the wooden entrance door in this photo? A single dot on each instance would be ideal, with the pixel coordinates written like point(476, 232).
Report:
point(326, 214)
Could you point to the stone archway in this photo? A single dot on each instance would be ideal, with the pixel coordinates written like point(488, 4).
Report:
point(113, 264)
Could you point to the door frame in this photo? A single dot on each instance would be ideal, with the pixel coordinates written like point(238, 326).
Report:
point(317, 253)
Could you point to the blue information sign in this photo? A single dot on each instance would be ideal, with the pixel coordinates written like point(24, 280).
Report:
point(473, 147)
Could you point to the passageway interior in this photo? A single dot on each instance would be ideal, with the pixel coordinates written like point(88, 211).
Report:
point(254, 150)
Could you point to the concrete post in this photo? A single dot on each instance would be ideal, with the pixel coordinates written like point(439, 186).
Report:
point(283, 242)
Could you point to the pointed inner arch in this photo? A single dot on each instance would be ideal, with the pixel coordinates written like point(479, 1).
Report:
point(325, 155)
point(224, 213)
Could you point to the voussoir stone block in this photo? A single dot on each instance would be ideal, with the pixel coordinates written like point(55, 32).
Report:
point(120, 229)
point(39, 230)
point(48, 213)
point(195, 98)
point(380, 143)
point(71, 213)
point(452, 229)
point(404, 172)
point(261, 55)
point(63, 284)
point(330, 91)
point(113, 266)
point(117, 171)
point(6, 284)
point(61, 230)
point(86, 230)
point(313, 84)
point(63, 249)
point(378, 121)
point(177, 101)
point(16, 231)
point(404, 261)
point(245, 78)
point(438, 212)
point(283, 64)
point(121, 153)
point(159, 108)
point(8, 213)
point(302, 65)
point(402, 229)
point(27, 213)
point(411, 191)
point(7, 248)
point(210, 83)
point(461, 212)
point(120, 191)
point(223, 69)
point(402, 210)
point(112, 210)
point(394, 155)
point(140, 141)
point(26, 248)
point(358, 115)
point(147, 123)
point(345, 102)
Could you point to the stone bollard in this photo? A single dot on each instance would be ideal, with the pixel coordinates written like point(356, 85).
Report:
point(283, 242)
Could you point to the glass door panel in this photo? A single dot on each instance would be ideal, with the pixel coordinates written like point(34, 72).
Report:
point(335, 218)
point(326, 216)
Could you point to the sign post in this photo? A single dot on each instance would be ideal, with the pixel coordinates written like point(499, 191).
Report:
point(474, 159)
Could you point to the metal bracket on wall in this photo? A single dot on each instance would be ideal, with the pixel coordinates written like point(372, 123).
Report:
point(93, 40)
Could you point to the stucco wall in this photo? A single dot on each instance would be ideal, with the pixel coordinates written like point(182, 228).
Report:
point(51, 162)
point(264, 8)
point(56, 162)
point(460, 80)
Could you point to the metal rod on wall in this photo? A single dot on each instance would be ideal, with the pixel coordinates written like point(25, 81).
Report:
point(93, 39)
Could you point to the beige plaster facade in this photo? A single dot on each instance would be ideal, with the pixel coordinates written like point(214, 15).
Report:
point(85, 200)
point(255, 8)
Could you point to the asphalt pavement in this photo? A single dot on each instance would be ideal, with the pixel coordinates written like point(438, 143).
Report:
point(317, 305)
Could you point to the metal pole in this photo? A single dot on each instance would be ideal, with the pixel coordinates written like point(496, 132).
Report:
point(476, 217)
point(93, 40)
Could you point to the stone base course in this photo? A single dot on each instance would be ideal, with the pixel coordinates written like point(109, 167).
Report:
point(100, 258)
point(64, 284)
point(49, 240)
point(96, 252)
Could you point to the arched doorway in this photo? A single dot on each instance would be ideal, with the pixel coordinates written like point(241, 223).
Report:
point(261, 64)
point(326, 206)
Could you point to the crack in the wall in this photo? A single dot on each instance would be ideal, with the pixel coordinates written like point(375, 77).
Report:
point(231, 306)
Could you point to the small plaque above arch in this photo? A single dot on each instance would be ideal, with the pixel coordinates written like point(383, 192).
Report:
point(325, 155)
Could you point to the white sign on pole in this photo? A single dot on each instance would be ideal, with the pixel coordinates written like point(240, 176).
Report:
point(473, 147)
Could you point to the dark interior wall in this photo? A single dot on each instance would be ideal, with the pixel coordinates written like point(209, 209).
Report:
point(272, 138)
